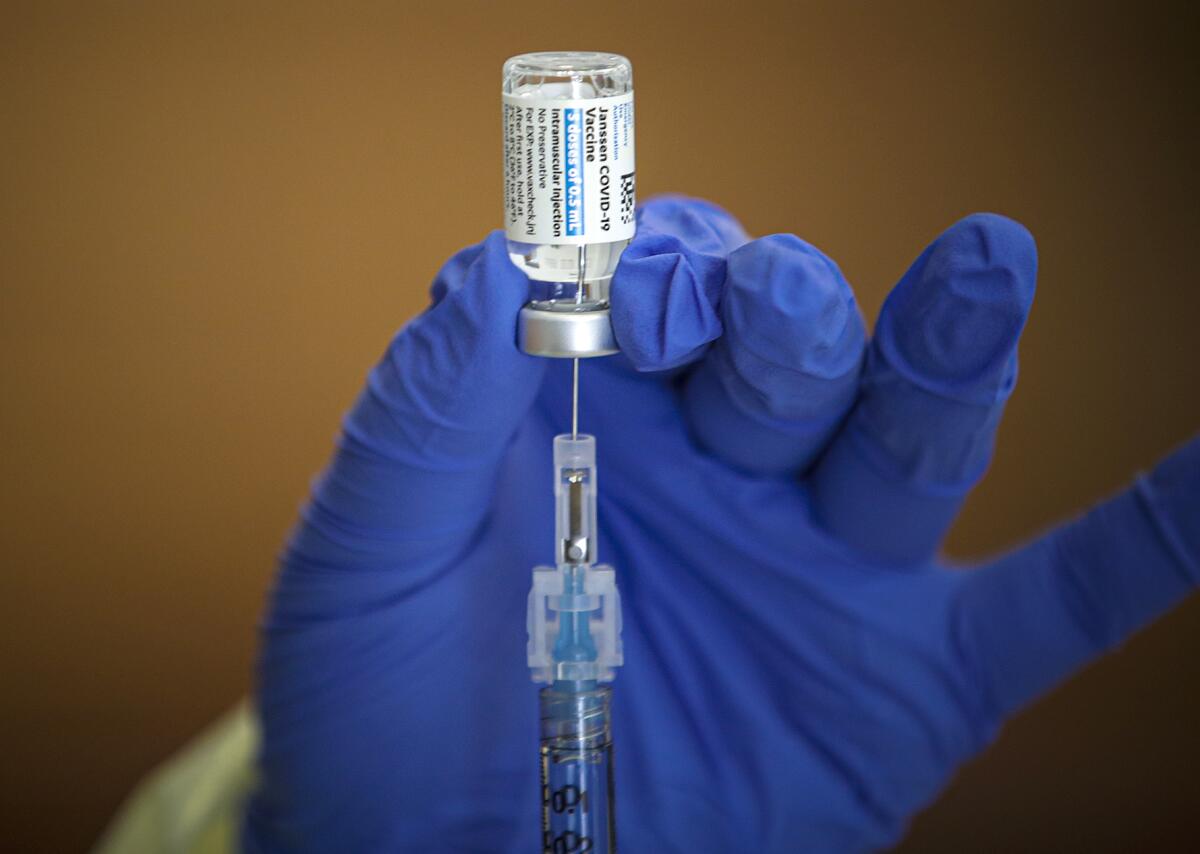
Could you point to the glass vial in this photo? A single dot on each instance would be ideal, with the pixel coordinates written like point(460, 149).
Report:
point(569, 182)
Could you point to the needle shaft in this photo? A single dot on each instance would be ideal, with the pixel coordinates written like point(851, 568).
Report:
point(580, 287)
point(574, 398)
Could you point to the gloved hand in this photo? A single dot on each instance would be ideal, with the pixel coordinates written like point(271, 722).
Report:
point(801, 672)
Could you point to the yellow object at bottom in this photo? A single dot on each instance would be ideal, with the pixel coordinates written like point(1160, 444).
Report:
point(192, 804)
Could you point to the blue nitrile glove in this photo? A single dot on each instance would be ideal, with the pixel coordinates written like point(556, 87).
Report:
point(801, 672)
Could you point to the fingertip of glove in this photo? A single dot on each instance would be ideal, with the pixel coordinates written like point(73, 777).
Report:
point(477, 297)
point(705, 226)
point(485, 271)
point(956, 316)
point(788, 304)
point(989, 242)
point(665, 298)
point(454, 378)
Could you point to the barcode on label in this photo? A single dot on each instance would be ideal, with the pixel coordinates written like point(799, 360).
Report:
point(628, 198)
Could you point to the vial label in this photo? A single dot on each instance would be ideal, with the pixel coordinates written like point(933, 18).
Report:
point(568, 169)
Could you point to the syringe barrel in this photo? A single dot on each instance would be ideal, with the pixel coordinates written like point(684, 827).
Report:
point(577, 771)
point(569, 188)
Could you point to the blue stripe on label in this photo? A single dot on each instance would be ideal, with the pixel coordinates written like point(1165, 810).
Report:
point(573, 131)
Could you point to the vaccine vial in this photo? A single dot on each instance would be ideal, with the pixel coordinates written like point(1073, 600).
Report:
point(569, 192)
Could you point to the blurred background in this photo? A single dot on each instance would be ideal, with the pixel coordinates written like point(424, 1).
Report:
point(214, 215)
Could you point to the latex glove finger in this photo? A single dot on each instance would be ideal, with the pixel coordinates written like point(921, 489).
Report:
point(1034, 616)
point(939, 369)
point(666, 291)
point(420, 449)
point(779, 380)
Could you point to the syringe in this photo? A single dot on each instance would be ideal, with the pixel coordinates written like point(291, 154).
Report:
point(574, 624)
point(577, 771)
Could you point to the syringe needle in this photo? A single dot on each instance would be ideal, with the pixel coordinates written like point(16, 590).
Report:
point(575, 398)
point(580, 287)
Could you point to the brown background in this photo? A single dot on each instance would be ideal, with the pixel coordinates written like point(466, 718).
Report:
point(212, 218)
